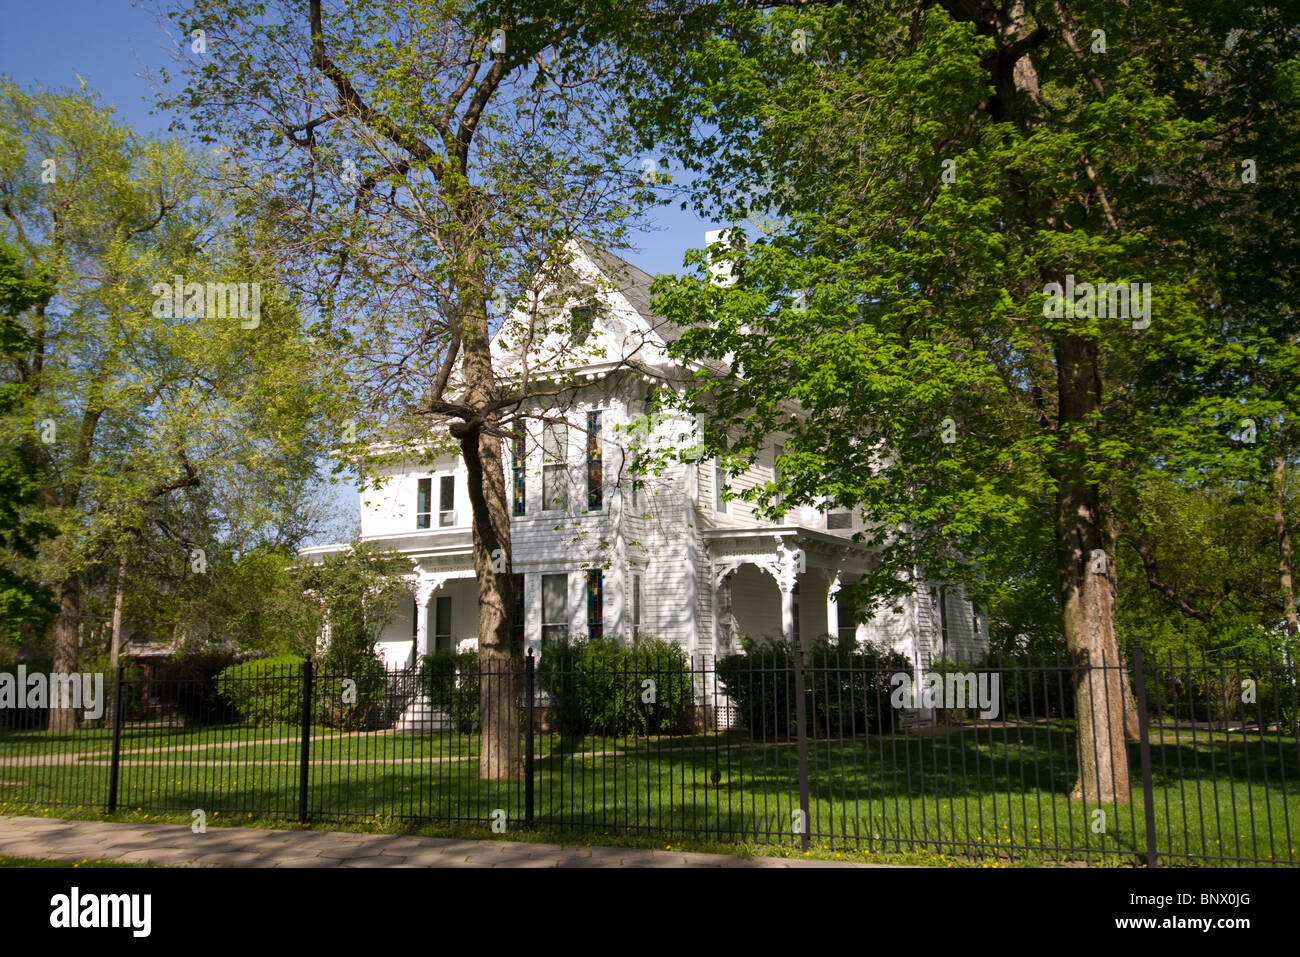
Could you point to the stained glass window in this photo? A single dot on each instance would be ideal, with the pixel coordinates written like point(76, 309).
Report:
point(595, 471)
point(595, 605)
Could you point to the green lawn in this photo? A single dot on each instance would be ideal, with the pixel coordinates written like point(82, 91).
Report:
point(995, 793)
point(46, 862)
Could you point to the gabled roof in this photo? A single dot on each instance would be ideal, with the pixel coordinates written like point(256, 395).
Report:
point(634, 284)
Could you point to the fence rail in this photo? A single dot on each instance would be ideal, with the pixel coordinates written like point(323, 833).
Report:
point(978, 762)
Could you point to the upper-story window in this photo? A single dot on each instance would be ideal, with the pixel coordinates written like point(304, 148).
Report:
point(555, 479)
point(519, 463)
point(839, 519)
point(423, 503)
point(447, 500)
point(582, 319)
point(595, 467)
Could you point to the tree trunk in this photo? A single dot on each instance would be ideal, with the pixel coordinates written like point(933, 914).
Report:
point(67, 642)
point(115, 638)
point(499, 748)
point(1132, 728)
point(1087, 597)
point(1283, 533)
point(500, 754)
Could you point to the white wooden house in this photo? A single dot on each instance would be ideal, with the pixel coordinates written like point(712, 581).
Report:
point(594, 556)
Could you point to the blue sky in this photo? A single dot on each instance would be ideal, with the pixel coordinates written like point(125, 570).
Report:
point(114, 45)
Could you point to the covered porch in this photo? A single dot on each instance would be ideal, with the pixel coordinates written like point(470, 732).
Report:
point(781, 581)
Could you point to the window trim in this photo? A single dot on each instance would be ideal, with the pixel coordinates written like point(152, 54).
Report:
point(555, 468)
point(424, 496)
point(547, 625)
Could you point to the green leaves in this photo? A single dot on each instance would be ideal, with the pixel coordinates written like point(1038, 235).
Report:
point(168, 432)
point(928, 194)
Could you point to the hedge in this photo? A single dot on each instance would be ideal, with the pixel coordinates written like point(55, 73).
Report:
point(610, 688)
point(847, 687)
point(265, 690)
point(450, 680)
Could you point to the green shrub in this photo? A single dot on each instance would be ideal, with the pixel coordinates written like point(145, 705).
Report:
point(847, 687)
point(187, 684)
point(102, 664)
point(606, 687)
point(559, 680)
point(349, 693)
point(450, 680)
point(265, 690)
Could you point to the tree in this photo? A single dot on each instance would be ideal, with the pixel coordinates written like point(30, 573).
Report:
point(357, 593)
point(141, 391)
point(424, 168)
point(26, 604)
point(934, 179)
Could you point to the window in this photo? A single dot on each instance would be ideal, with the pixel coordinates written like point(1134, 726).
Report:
point(636, 606)
point(555, 607)
point(595, 604)
point(415, 619)
point(943, 622)
point(581, 318)
point(846, 627)
point(841, 519)
point(555, 481)
point(423, 497)
point(720, 474)
point(521, 609)
point(442, 625)
point(595, 470)
point(518, 463)
point(447, 501)
point(975, 620)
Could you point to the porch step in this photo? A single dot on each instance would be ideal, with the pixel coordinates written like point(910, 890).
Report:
point(422, 716)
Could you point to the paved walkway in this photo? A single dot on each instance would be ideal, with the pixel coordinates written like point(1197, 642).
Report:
point(177, 845)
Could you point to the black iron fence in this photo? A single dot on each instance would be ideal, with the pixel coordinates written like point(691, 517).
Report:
point(984, 761)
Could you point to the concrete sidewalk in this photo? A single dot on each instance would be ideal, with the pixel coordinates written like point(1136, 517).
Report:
point(176, 845)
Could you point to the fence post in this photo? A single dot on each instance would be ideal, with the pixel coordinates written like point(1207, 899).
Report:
point(528, 739)
point(1144, 736)
point(303, 764)
point(801, 731)
point(116, 760)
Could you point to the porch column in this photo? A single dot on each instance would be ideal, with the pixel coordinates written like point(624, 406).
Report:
point(786, 584)
point(789, 563)
point(424, 589)
point(833, 603)
point(724, 619)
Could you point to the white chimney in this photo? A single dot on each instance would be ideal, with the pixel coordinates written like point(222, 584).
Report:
point(720, 267)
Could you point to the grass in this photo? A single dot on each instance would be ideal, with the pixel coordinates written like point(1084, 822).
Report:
point(987, 795)
point(49, 862)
